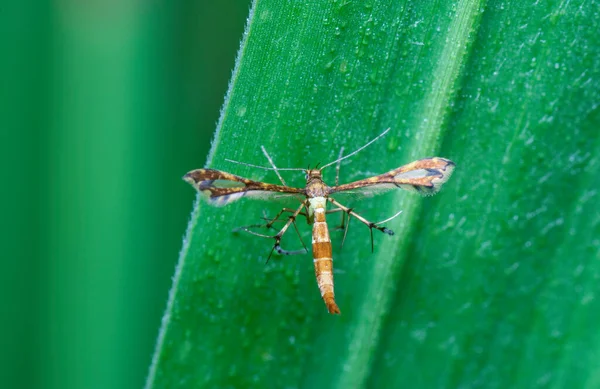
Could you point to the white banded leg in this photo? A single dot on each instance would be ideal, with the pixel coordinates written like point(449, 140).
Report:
point(279, 235)
point(344, 225)
point(369, 224)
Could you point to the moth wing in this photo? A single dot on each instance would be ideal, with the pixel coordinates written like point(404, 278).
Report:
point(360, 193)
point(221, 188)
point(425, 176)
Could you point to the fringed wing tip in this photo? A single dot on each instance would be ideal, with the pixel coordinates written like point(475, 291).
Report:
point(444, 170)
point(425, 176)
point(189, 178)
point(194, 177)
point(449, 166)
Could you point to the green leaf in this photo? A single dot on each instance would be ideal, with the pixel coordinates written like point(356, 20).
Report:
point(492, 283)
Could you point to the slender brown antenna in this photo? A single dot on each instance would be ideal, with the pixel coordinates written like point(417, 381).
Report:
point(351, 154)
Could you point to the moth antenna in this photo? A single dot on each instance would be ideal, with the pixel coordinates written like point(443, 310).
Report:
point(262, 167)
point(360, 149)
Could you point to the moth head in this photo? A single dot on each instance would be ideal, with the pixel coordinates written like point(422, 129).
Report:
point(313, 174)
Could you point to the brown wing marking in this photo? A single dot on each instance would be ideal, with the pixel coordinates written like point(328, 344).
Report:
point(425, 176)
point(222, 188)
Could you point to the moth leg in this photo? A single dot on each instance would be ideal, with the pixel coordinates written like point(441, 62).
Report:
point(272, 164)
point(270, 221)
point(277, 246)
point(276, 218)
point(279, 235)
point(342, 223)
point(369, 224)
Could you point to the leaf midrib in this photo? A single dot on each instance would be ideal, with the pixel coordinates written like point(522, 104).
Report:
point(374, 309)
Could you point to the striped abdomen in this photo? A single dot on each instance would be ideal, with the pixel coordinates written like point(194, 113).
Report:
point(321, 247)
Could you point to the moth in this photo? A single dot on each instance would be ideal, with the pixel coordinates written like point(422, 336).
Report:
point(424, 176)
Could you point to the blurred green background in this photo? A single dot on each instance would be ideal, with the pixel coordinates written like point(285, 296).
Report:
point(104, 106)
